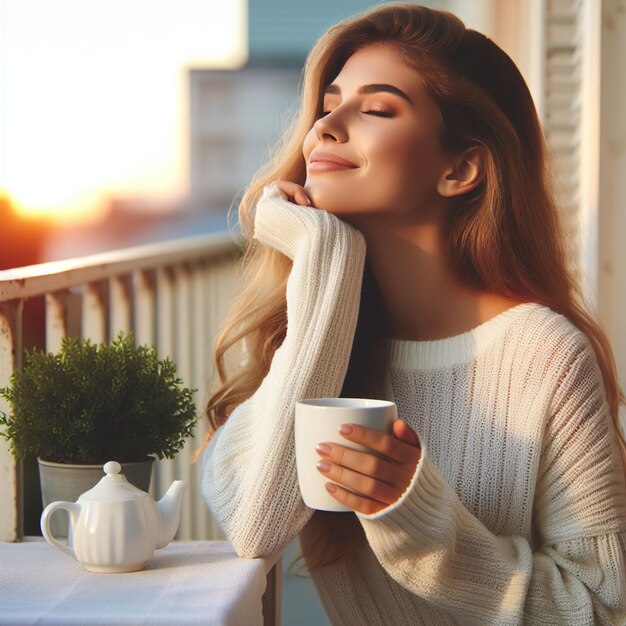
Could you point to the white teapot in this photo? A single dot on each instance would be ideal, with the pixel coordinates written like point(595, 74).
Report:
point(115, 526)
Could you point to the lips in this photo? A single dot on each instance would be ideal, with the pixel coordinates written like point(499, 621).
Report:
point(327, 160)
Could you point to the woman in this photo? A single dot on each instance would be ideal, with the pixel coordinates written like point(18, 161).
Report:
point(406, 246)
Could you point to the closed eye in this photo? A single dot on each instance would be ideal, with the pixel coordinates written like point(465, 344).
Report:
point(378, 113)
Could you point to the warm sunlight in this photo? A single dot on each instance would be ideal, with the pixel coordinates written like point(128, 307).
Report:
point(94, 97)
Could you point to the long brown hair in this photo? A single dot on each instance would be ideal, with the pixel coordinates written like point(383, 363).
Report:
point(504, 236)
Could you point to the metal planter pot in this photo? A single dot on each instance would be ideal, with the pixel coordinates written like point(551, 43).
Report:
point(61, 481)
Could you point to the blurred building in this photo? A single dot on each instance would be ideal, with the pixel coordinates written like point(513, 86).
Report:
point(235, 117)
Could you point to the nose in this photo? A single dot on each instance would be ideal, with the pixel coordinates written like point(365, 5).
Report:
point(331, 127)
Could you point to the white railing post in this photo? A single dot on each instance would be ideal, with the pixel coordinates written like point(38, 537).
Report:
point(11, 522)
point(199, 373)
point(63, 317)
point(56, 323)
point(164, 473)
point(143, 297)
point(94, 313)
point(120, 313)
point(184, 330)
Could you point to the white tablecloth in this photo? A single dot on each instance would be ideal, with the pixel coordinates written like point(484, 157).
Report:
point(199, 582)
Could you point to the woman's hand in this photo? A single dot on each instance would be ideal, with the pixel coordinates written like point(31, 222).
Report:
point(381, 481)
point(295, 193)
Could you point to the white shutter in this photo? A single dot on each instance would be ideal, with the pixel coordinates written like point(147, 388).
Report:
point(563, 113)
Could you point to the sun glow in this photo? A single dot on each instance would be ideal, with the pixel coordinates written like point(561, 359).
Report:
point(94, 97)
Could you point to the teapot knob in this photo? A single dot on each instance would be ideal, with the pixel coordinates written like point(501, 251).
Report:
point(112, 467)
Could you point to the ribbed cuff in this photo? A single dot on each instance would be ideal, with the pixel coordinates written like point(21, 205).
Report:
point(417, 512)
point(279, 223)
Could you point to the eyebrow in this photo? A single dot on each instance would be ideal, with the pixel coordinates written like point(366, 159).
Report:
point(367, 89)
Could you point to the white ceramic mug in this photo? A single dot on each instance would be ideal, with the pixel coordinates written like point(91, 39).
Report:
point(318, 420)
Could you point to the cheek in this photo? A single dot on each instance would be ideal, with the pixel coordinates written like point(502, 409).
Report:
point(402, 169)
point(405, 152)
point(309, 143)
point(419, 161)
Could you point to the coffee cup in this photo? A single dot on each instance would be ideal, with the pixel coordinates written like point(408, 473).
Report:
point(318, 420)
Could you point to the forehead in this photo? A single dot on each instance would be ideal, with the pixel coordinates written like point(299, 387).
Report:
point(379, 63)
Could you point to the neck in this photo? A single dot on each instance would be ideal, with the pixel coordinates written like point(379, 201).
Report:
point(423, 298)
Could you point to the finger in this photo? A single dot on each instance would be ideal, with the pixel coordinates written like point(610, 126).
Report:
point(365, 485)
point(403, 432)
point(294, 192)
point(363, 462)
point(301, 197)
point(353, 500)
point(399, 451)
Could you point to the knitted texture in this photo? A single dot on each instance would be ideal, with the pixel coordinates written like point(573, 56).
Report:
point(249, 467)
point(516, 513)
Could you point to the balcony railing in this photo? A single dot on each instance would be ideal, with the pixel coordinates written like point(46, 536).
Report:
point(172, 294)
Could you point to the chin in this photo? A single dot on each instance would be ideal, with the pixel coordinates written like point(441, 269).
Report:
point(334, 199)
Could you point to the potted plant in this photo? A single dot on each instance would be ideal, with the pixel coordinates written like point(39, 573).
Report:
point(92, 403)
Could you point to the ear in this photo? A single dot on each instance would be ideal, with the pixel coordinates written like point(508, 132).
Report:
point(464, 172)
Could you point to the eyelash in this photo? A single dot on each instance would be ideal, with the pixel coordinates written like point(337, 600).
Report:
point(376, 113)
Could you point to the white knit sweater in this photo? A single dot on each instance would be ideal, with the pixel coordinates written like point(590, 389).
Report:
point(516, 513)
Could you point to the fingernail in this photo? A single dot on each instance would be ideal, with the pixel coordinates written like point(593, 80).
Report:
point(323, 466)
point(323, 449)
point(331, 487)
point(346, 429)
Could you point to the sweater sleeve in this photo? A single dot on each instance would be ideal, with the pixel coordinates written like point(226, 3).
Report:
point(249, 476)
point(573, 573)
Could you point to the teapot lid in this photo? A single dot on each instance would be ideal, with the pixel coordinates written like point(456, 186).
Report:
point(113, 487)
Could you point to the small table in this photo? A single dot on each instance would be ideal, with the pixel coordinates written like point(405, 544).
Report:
point(186, 583)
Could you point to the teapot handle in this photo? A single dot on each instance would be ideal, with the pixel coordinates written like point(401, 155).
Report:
point(73, 509)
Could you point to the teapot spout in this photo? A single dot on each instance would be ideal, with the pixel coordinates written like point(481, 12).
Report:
point(170, 507)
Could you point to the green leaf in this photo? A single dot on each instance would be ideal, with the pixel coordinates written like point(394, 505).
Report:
point(92, 403)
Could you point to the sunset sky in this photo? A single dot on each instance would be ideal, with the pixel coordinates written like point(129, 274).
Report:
point(94, 97)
